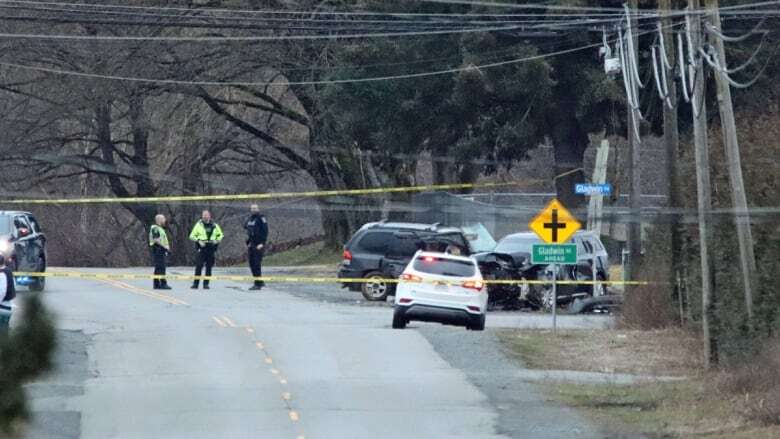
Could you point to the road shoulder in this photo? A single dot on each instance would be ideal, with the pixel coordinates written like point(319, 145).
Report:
point(522, 409)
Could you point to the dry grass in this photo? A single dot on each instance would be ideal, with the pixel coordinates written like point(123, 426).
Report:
point(755, 387)
point(649, 306)
point(662, 352)
point(738, 403)
point(674, 410)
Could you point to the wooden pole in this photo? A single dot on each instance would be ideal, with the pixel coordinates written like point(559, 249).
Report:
point(634, 175)
point(672, 143)
point(703, 190)
point(739, 198)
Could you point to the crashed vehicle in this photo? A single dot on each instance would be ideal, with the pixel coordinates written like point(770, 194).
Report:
point(511, 260)
point(382, 250)
point(23, 245)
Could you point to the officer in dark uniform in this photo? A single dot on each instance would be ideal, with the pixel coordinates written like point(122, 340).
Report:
point(257, 235)
point(160, 247)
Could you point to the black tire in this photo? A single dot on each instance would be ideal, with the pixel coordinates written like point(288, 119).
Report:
point(399, 319)
point(477, 324)
point(38, 284)
point(375, 291)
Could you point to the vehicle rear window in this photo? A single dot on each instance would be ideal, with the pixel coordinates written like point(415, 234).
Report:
point(375, 242)
point(5, 224)
point(403, 247)
point(444, 267)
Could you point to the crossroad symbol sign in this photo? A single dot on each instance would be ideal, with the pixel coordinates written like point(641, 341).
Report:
point(554, 224)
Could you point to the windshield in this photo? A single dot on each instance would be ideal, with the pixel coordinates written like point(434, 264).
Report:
point(479, 238)
point(444, 267)
point(517, 243)
point(5, 225)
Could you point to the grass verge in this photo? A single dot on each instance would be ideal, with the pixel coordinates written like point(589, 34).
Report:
point(693, 407)
point(310, 254)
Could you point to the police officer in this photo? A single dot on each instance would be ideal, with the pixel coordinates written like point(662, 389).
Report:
point(257, 235)
point(7, 294)
point(158, 242)
point(207, 235)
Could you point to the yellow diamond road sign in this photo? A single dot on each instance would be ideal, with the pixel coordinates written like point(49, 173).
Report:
point(554, 224)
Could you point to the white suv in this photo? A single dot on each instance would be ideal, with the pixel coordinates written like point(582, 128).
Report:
point(443, 288)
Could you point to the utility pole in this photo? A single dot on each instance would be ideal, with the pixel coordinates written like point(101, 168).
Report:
point(596, 202)
point(672, 143)
point(703, 188)
point(634, 176)
point(739, 198)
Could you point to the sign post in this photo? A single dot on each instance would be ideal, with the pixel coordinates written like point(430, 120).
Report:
point(555, 298)
point(555, 226)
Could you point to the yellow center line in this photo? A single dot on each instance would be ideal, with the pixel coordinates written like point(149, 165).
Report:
point(269, 360)
point(259, 345)
point(250, 330)
point(229, 322)
point(286, 396)
point(294, 416)
point(275, 371)
point(219, 322)
point(283, 381)
point(143, 292)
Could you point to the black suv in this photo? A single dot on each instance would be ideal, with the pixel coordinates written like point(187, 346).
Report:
point(23, 244)
point(382, 250)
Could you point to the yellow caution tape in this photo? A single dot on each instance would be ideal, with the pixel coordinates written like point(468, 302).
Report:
point(303, 279)
point(260, 196)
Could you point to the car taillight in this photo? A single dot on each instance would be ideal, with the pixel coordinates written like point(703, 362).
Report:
point(405, 300)
point(410, 278)
point(474, 285)
point(347, 255)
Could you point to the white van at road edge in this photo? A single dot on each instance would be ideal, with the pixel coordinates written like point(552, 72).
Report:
point(443, 288)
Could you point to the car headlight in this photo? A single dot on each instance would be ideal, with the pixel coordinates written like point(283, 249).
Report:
point(5, 246)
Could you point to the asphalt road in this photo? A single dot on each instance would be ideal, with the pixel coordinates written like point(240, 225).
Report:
point(284, 363)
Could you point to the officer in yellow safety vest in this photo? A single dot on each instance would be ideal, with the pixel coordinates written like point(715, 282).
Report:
point(207, 235)
point(161, 248)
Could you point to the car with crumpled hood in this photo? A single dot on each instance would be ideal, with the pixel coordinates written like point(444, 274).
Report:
point(23, 244)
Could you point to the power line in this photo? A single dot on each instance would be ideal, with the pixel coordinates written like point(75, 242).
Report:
point(447, 18)
point(317, 82)
point(539, 19)
point(525, 6)
point(613, 10)
point(594, 11)
point(289, 83)
point(251, 11)
point(275, 18)
point(256, 37)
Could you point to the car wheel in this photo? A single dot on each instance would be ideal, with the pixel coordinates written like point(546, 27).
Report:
point(375, 289)
point(399, 319)
point(39, 283)
point(479, 324)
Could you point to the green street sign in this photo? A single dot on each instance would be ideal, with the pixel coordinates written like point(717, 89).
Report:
point(554, 254)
